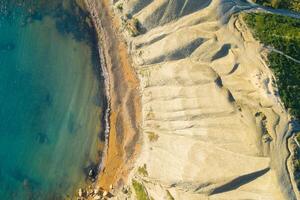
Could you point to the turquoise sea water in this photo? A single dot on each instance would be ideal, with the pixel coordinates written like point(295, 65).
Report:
point(51, 102)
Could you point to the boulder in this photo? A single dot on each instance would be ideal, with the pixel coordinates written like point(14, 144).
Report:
point(80, 192)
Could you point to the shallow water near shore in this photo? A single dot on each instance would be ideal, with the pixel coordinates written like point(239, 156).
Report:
point(51, 104)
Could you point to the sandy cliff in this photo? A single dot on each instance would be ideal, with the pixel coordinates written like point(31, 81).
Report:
point(213, 126)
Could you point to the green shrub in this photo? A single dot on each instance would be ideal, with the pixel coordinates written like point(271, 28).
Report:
point(120, 6)
point(133, 27)
point(140, 190)
point(298, 137)
point(143, 170)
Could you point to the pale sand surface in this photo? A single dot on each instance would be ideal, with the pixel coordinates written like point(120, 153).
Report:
point(206, 93)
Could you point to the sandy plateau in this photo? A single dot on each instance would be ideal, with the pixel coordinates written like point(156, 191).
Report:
point(212, 125)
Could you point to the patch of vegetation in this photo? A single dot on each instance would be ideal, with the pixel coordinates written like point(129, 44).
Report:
point(298, 138)
point(150, 115)
point(143, 170)
point(133, 26)
point(169, 196)
point(293, 5)
point(283, 34)
point(145, 73)
point(140, 190)
point(152, 136)
point(119, 6)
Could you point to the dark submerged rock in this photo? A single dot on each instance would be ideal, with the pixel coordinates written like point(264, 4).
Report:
point(42, 138)
point(91, 171)
point(7, 47)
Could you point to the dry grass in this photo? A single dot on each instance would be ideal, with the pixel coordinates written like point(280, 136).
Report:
point(143, 170)
point(152, 136)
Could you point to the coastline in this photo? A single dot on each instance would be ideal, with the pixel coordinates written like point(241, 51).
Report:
point(121, 82)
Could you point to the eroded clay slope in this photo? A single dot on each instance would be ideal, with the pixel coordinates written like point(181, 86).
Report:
point(213, 127)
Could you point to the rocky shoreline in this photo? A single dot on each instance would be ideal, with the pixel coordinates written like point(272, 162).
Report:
point(103, 64)
point(123, 111)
